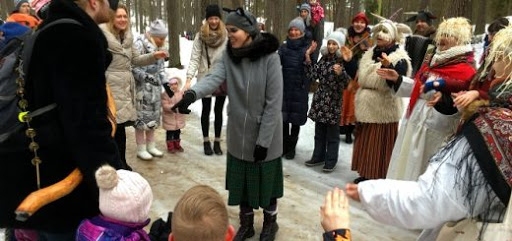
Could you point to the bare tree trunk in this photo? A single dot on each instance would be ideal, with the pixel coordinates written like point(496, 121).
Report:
point(480, 19)
point(458, 8)
point(424, 4)
point(173, 11)
point(6, 7)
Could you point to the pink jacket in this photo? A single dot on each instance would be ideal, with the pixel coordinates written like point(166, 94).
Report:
point(317, 12)
point(172, 121)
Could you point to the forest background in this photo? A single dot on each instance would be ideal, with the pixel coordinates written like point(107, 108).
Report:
point(185, 16)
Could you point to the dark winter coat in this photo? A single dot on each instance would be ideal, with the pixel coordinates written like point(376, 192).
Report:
point(326, 104)
point(75, 134)
point(296, 84)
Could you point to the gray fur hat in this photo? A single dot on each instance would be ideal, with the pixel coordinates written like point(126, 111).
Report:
point(244, 20)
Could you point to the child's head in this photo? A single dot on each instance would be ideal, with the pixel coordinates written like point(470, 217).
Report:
point(174, 83)
point(201, 214)
point(335, 41)
point(124, 195)
point(313, 2)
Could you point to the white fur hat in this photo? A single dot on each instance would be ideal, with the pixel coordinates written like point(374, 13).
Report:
point(124, 195)
point(338, 37)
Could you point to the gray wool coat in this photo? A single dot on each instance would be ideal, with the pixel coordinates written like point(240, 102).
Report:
point(255, 92)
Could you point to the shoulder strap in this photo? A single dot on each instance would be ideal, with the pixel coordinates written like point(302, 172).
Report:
point(207, 55)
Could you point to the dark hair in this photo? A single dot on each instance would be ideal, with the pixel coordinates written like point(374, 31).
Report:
point(497, 25)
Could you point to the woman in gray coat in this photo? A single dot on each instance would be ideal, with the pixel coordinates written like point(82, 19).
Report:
point(252, 68)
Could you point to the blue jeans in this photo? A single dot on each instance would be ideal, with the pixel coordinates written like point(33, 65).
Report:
point(327, 142)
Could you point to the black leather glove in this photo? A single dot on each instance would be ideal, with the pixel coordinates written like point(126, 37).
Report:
point(260, 153)
point(188, 98)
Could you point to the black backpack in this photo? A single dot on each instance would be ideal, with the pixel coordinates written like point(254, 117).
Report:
point(14, 63)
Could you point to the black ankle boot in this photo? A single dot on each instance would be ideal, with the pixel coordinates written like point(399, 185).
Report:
point(348, 138)
point(207, 148)
point(216, 148)
point(270, 227)
point(246, 229)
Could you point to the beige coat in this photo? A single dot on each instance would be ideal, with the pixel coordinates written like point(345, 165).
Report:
point(119, 73)
point(198, 60)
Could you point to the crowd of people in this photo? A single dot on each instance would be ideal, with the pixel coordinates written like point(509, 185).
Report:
point(445, 157)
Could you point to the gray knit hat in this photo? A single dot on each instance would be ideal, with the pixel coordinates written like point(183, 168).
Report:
point(244, 20)
point(305, 6)
point(298, 23)
point(158, 29)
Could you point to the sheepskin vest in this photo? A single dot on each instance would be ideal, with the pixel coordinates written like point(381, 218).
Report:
point(375, 100)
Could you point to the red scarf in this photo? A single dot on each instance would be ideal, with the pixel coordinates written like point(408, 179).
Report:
point(455, 69)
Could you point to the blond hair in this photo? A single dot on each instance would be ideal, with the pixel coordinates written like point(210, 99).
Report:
point(458, 27)
point(501, 49)
point(110, 23)
point(200, 214)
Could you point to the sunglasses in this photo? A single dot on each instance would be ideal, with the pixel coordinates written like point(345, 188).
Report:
point(239, 12)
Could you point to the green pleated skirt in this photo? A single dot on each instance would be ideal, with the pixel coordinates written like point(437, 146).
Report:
point(253, 183)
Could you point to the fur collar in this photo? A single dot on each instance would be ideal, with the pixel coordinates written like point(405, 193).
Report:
point(212, 38)
point(263, 44)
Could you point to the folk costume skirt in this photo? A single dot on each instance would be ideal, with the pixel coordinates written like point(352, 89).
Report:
point(373, 147)
point(253, 183)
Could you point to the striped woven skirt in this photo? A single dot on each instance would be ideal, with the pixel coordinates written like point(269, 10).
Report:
point(373, 146)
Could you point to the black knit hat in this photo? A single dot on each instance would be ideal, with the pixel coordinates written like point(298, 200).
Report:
point(213, 10)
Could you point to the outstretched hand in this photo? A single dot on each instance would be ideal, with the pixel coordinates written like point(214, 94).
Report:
point(389, 74)
point(334, 212)
point(182, 106)
point(352, 191)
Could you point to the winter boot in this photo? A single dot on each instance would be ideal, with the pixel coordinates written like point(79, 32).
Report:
point(142, 153)
point(177, 145)
point(348, 134)
point(270, 227)
point(216, 148)
point(291, 147)
point(151, 147)
point(170, 146)
point(246, 229)
point(207, 148)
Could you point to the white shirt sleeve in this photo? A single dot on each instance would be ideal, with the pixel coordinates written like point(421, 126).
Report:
point(427, 203)
point(405, 88)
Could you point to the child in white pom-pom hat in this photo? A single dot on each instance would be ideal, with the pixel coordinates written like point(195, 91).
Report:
point(124, 201)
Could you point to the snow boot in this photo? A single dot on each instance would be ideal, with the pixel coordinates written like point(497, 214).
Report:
point(142, 153)
point(246, 229)
point(291, 147)
point(151, 147)
point(207, 148)
point(270, 227)
point(177, 146)
point(170, 146)
point(216, 148)
point(348, 134)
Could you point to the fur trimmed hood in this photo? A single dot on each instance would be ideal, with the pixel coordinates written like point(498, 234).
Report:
point(263, 44)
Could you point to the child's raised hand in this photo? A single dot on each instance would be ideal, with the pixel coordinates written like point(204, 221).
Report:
point(311, 48)
point(346, 53)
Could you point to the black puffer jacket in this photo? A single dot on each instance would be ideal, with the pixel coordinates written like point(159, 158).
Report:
point(296, 84)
